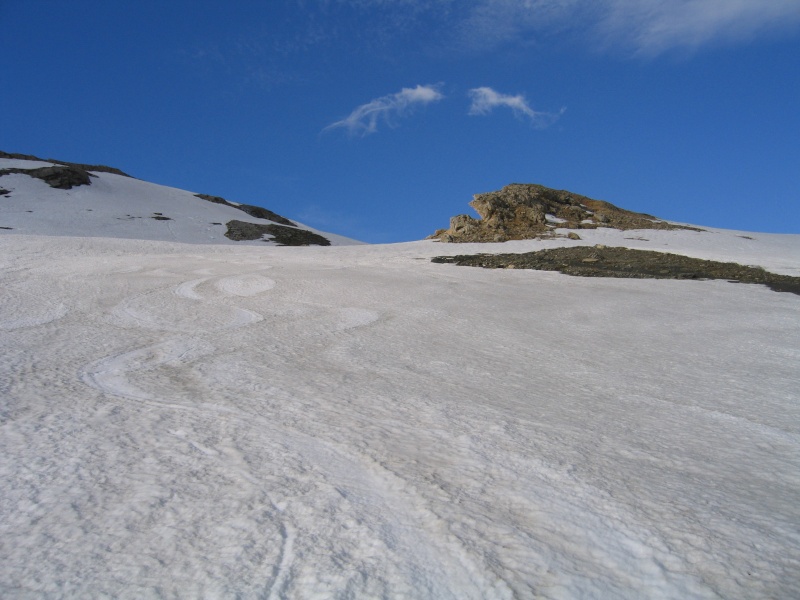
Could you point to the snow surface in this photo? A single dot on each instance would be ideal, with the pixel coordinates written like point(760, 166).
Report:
point(120, 207)
point(356, 422)
point(17, 163)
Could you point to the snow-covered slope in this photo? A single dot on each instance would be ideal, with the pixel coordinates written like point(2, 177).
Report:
point(120, 207)
point(212, 421)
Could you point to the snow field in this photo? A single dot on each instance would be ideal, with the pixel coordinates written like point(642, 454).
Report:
point(115, 206)
point(200, 421)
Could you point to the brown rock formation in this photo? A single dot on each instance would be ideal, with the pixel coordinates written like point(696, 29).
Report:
point(523, 211)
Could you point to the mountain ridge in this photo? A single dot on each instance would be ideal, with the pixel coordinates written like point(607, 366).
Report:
point(90, 200)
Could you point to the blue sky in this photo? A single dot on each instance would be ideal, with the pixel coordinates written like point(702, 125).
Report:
point(379, 119)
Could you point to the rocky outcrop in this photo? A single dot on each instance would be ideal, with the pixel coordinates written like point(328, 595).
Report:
point(254, 211)
point(62, 177)
point(284, 236)
point(84, 167)
point(523, 211)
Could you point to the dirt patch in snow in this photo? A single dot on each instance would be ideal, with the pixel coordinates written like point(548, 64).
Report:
point(602, 261)
point(285, 236)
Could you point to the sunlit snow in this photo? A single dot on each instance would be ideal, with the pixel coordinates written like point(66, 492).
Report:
point(120, 207)
point(184, 420)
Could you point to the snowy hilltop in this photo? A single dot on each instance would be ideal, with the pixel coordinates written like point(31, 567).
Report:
point(224, 419)
point(48, 197)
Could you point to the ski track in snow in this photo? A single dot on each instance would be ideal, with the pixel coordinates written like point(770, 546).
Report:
point(352, 318)
point(114, 374)
point(192, 310)
point(20, 309)
point(402, 430)
point(372, 495)
point(245, 285)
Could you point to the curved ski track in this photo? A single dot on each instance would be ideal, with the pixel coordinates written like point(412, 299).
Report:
point(363, 425)
point(383, 517)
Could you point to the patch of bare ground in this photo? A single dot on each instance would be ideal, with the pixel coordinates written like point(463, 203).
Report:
point(602, 261)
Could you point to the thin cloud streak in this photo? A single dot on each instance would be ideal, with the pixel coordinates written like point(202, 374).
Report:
point(364, 119)
point(485, 100)
point(655, 26)
point(645, 27)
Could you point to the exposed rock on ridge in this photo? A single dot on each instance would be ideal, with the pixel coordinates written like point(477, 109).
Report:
point(280, 234)
point(61, 177)
point(96, 168)
point(66, 175)
point(254, 211)
point(523, 211)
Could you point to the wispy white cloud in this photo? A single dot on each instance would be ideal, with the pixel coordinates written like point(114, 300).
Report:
point(647, 27)
point(365, 118)
point(485, 100)
point(492, 23)
point(654, 26)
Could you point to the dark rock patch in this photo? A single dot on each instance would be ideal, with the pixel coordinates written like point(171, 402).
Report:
point(525, 211)
point(18, 156)
point(285, 236)
point(254, 211)
point(215, 200)
point(9, 228)
point(4, 192)
point(61, 177)
point(96, 168)
point(600, 261)
point(262, 213)
point(161, 218)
